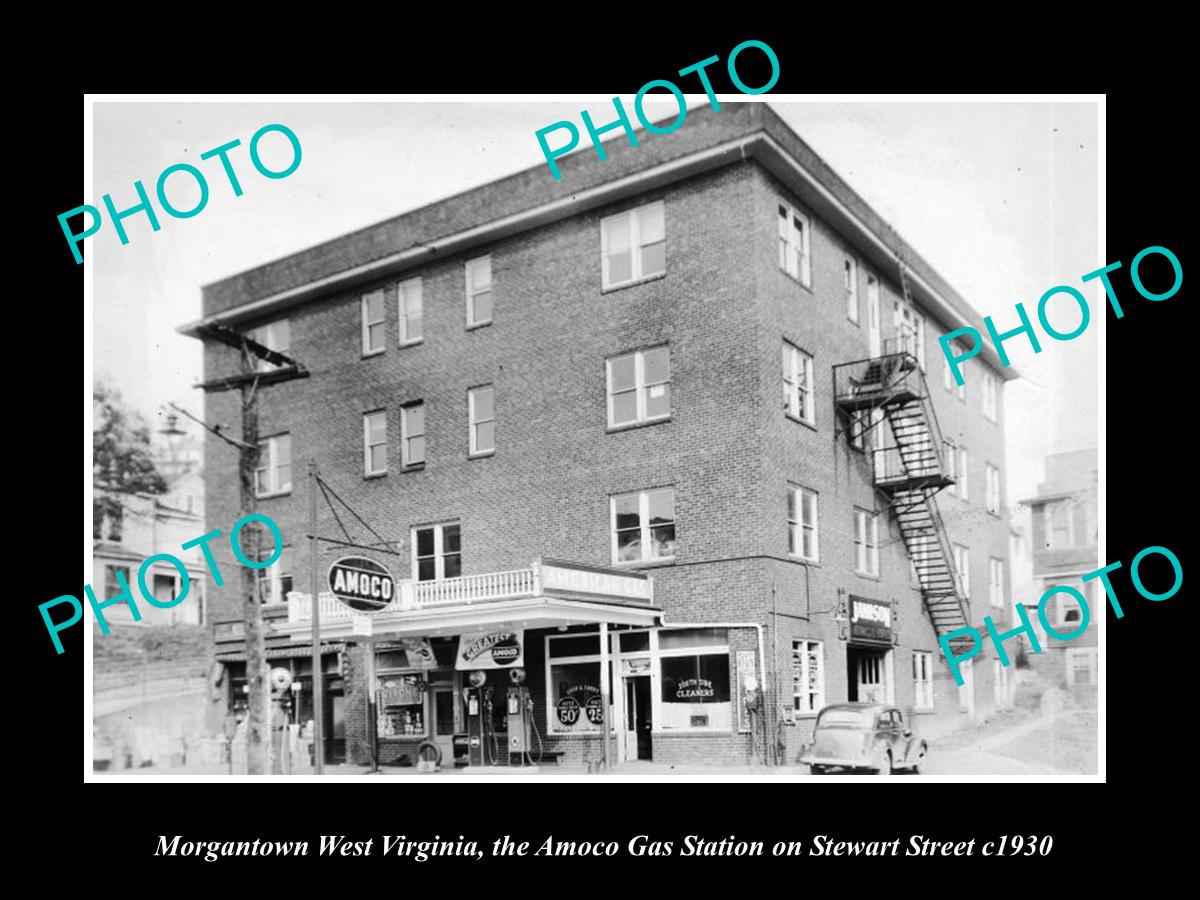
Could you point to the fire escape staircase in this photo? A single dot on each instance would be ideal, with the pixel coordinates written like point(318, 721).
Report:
point(910, 472)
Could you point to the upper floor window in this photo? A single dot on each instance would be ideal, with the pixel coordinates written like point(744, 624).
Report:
point(993, 488)
point(108, 519)
point(962, 563)
point(375, 443)
point(643, 526)
point(991, 395)
point(950, 461)
point(481, 404)
point(639, 387)
point(948, 376)
point(372, 323)
point(963, 469)
point(437, 551)
point(910, 330)
point(850, 284)
point(273, 335)
point(274, 582)
point(1069, 522)
point(412, 434)
point(996, 581)
point(409, 304)
point(274, 472)
point(866, 542)
point(794, 244)
point(798, 384)
point(633, 245)
point(479, 291)
point(802, 523)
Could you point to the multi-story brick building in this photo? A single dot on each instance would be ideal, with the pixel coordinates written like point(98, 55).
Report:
point(590, 370)
point(1064, 528)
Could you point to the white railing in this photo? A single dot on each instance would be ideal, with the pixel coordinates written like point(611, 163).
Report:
point(411, 595)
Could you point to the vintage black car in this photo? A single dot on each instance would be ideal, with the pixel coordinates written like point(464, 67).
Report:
point(870, 736)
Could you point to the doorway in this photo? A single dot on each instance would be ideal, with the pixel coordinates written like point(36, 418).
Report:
point(637, 731)
point(443, 722)
point(867, 675)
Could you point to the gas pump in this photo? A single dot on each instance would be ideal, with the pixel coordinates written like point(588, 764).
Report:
point(519, 710)
point(479, 706)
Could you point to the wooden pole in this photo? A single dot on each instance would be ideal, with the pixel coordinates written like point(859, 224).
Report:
point(318, 696)
point(256, 650)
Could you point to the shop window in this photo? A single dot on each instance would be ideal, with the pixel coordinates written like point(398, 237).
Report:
point(574, 704)
point(695, 692)
point(401, 706)
point(808, 676)
point(922, 679)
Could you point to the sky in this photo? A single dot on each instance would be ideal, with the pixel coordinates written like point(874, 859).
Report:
point(1000, 197)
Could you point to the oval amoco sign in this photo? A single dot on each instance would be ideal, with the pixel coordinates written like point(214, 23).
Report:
point(362, 584)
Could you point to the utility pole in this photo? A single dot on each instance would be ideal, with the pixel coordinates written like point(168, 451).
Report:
point(248, 382)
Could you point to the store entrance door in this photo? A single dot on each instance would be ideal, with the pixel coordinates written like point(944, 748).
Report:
point(867, 670)
point(637, 717)
point(443, 722)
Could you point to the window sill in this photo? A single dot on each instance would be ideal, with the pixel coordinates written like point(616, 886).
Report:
point(798, 420)
point(273, 495)
point(868, 576)
point(645, 563)
point(373, 476)
point(415, 343)
point(612, 288)
point(412, 467)
point(405, 737)
point(483, 455)
point(854, 322)
point(475, 326)
point(630, 426)
point(791, 277)
point(804, 560)
point(367, 354)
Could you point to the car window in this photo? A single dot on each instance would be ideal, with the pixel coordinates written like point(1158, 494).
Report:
point(898, 717)
point(840, 718)
point(884, 722)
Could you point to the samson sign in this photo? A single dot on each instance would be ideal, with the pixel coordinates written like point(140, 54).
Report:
point(491, 650)
point(870, 621)
point(361, 584)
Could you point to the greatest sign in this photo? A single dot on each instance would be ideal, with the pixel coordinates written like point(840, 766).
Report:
point(361, 584)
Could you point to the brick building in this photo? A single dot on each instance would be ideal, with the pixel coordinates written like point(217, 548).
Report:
point(590, 370)
point(1064, 529)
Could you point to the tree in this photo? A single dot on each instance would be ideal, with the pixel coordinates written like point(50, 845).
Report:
point(122, 460)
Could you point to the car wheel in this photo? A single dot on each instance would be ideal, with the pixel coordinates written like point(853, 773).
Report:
point(816, 770)
point(916, 769)
point(883, 765)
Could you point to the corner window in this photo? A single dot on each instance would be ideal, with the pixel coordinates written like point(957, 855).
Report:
point(798, 383)
point(479, 291)
point(372, 323)
point(922, 679)
point(794, 231)
point(639, 387)
point(850, 285)
point(802, 523)
point(866, 542)
point(274, 472)
point(409, 306)
point(808, 676)
point(633, 245)
point(273, 335)
point(437, 551)
point(375, 443)
point(412, 434)
point(643, 526)
point(481, 410)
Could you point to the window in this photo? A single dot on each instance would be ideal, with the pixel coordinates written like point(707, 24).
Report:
point(966, 690)
point(1081, 666)
point(950, 461)
point(802, 523)
point(991, 395)
point(794, 244)
point(808, 677)
point(275, 581)
point(1066, 611)
point(910, 330)
point(481, 410)
point(962, 563)
point(866, 542)
point(643, 526)
point(372, 323)
point(274, 472)
point(850, 283)
point(1064, 523)
point(633, 245)
point(996, 582)
point(948, 376)
point(108, 520)
point(639, 387)
point(408, 304)
point(798, 384)
point(993, 488)
point(375, 443)
point(694, 678)
point(412, 434)
point(111, 586)
point(437, 551)
point(922, 679)
point(963, 471)
point(867, 432)
point(479, 291)
point(273, 335)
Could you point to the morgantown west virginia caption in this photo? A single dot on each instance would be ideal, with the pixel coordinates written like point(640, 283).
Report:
point(639, 845)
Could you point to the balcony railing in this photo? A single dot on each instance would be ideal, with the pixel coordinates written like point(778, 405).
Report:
point(414, 595)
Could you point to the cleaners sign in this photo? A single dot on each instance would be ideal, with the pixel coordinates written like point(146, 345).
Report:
point(361, 584)
point(490, 650)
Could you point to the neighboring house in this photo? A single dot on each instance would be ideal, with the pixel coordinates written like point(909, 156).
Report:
point(186, 492)
point(146, 526)
point(694, 371)
point(1063, 541)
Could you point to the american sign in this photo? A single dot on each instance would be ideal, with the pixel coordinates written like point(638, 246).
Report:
point(570, 579)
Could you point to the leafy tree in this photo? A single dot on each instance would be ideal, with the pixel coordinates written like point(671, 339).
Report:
point(122, 462)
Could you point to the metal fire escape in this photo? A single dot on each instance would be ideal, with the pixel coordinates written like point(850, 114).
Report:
point(910, 471)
